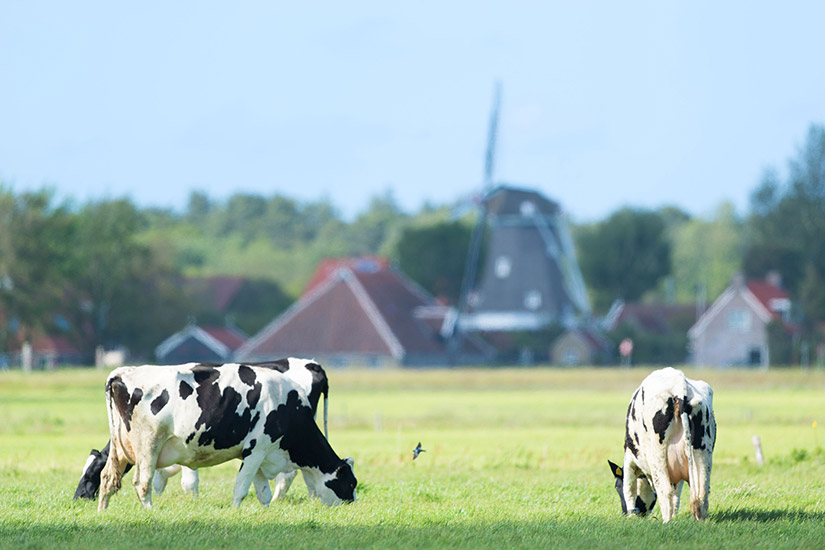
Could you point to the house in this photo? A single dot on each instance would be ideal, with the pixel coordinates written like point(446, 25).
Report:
point(358, 311)
point(734, 330)
point(204, 344)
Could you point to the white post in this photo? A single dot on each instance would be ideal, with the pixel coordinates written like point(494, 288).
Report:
point(26, 356)
point(757, 445)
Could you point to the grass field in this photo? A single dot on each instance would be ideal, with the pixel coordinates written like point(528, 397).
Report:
point(515, 458)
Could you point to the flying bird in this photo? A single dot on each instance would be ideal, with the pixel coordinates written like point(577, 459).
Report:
point(418, 450)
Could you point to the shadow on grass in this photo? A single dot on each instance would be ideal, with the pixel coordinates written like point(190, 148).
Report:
point(765, 516)
point(146, 531)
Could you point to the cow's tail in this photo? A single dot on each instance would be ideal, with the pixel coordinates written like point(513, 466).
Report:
point(326, 432)
point(683, 405)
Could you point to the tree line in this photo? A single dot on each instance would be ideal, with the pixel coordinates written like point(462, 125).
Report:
point(110, 273)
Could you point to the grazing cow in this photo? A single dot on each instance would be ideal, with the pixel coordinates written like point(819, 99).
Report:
point(669, 438)
point(308, 374)
point(203, 415)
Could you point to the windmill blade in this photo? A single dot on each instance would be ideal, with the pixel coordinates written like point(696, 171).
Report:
point(492, 134)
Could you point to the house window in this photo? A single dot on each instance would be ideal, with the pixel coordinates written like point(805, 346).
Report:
point(755, 357)
point(739, 320)
point(571, 357)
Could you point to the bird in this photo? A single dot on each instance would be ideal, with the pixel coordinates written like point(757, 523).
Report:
point(418, 450)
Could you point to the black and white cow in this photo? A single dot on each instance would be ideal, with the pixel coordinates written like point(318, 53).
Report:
point(670, 433)
point(307, 373)
point(203, 415)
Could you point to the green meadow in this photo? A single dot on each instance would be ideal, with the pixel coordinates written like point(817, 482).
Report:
point(514, 458)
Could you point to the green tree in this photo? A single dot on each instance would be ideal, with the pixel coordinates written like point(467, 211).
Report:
point(786, 227)
point(124, 292)
point(33, 257)
point(623, 256)
point(706, 254)
point(434, 256)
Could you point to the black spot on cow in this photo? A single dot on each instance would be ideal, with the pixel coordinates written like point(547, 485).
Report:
point(185, 390)
point(697, 430)
point(123, 401)
point(190, 437)
point(631, 408)
point(628, 443)
point(159, 402)
point(205, 373)
point(248, 449)
point(661, 421)
point(247, 375)
point(223, 426)
point(253, 395)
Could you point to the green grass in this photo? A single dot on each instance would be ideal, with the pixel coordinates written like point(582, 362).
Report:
point(515, 458)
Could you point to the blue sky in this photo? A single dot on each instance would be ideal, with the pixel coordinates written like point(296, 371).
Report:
point(605, 104)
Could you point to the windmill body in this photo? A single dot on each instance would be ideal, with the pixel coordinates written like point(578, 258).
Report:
point(529, 278)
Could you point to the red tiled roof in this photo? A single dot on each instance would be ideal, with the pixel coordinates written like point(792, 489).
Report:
point(766, 293)
point(227, 336)
point(358, 306)
point(332, 322)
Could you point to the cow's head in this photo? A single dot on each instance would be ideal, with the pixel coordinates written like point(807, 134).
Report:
point(645, 495)
point(339, 486)
point(90, 478)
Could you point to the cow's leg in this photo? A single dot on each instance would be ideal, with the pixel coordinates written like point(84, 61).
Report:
point(664, 489)
point(282, 482)
point(262, 490)
point(249, 468)
point(162, 475)
point(189, 481)
point(700, 484)
point(310, 487)
point(110, 478)
point(145, 459)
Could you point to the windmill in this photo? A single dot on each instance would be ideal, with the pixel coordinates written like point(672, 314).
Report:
point(530, 278)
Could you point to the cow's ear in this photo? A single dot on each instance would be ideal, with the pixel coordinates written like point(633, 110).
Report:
point(616, 469)
point(350, 461)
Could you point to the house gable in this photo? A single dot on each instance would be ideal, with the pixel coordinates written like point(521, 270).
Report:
point(733, 331)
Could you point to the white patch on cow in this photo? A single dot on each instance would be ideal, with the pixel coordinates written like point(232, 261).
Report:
point(86, 466)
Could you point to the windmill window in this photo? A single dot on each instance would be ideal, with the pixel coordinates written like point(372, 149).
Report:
point(528, 209)
point(503, 267)
point(532, 299)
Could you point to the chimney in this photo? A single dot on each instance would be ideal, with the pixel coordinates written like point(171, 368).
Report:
point(774, 279)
